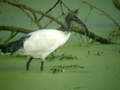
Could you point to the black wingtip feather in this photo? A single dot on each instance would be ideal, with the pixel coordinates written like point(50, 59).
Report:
point(13, 46)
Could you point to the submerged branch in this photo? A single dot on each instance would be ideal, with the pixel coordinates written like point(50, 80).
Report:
point(93, 36)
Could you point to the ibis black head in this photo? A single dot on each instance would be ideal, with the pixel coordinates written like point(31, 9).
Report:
point(72, 17)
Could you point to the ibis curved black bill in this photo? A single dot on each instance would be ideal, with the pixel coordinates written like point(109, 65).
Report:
point(81, 22)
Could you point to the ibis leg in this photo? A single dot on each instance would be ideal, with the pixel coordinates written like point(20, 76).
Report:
point(42, 65)
point(28, 64)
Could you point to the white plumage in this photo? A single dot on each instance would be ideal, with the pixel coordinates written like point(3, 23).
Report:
point(42, 42)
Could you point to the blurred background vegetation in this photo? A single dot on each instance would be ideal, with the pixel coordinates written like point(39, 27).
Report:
point(101, 17)
point(93, 62)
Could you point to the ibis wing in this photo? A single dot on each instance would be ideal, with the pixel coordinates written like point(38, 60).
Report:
point(43, 42)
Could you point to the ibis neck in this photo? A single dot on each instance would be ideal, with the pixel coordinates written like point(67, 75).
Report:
point(69, 27)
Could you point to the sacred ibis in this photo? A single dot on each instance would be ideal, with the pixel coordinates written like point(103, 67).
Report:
point(40, 43)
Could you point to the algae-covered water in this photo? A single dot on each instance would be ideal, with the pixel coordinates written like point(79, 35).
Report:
point(96, 67)
point(87, 67)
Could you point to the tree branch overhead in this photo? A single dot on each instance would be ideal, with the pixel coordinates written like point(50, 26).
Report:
point(37, 20)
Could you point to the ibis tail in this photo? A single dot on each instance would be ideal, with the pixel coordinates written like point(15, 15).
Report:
point(13, 46)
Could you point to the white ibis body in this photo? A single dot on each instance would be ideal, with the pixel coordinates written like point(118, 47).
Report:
point(40, 43)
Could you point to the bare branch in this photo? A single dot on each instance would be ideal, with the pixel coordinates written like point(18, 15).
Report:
point(27, 14)
point(88, 14)
point(34, 12)
point(70, 10)
point(52, 21)
point(19, 5)
point(50, 9)
point(93, 36)
point(61, 8)
point(15, 29)
point(12, 35)
point(117, 4)
point(102, 11)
